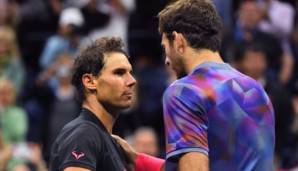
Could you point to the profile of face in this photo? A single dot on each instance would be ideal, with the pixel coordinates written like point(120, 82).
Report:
point(115, 83)
point(172, 57)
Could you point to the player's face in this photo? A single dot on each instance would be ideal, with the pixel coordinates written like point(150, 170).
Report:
point(172, 57)
point(115, 82)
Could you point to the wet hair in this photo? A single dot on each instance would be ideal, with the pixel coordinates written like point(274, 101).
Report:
point(196, 20)
point(92, 59)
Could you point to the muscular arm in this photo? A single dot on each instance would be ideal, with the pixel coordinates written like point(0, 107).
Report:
point(75, 169)
point(193, 161)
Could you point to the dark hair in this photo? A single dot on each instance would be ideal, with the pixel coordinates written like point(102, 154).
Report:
point(243, 48)
point(91, 60)
point(197, 20)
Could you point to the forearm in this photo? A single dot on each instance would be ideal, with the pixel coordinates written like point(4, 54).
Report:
point(148, 163)
point(193, 161)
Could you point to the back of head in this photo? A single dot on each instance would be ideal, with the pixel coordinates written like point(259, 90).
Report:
point(197, 20)
point(92, 59)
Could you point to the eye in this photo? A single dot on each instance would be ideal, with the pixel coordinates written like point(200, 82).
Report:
point(119, 72)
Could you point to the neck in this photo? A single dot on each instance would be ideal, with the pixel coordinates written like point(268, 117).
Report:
point(195, 58)
point(104, 115)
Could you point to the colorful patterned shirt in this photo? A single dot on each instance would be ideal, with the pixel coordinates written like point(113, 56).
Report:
point(222, 113)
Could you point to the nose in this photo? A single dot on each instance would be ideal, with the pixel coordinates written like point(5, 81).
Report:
point(167, 61)
point(131, 81)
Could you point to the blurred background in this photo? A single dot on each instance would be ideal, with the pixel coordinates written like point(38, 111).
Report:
point(39, 40)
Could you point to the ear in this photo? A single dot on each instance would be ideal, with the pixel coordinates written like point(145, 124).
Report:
point(180, 42)
point(89, 82)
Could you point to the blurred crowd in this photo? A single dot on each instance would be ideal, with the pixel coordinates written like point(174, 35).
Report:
point(40, 38)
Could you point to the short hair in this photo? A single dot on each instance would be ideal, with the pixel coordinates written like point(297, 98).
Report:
point(196, 20)
point(243, 48)
point(92, 59)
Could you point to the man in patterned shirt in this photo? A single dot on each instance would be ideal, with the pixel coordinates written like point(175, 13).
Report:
point(216, 118)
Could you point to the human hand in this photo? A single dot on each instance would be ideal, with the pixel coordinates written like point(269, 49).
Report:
point(130, 152)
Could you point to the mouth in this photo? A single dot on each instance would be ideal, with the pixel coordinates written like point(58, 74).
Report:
point(128, 94)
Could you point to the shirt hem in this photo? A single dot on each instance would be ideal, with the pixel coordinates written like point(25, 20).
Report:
point(186, 150)
point(77, 164)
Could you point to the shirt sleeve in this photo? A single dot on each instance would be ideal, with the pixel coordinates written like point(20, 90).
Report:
point(79, 149)
point(185, 120)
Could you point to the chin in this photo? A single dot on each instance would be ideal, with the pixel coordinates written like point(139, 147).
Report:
point(125, 106)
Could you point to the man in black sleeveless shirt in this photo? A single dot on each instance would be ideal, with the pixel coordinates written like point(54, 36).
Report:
point(102, 76)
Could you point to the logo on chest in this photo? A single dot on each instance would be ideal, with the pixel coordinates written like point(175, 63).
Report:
point(78, 155)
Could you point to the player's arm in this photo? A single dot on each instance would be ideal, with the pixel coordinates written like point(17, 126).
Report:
point(193, 161)
point(142, 162)
point(75, 169)
point(186, 126)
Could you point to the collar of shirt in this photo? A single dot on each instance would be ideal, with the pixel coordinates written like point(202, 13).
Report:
point(90, 116)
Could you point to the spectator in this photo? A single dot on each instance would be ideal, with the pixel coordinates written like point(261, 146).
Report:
point(272, 12)
point(94, 17)
point(37, 21)
point(145, 141)
point(13, 120)
point(6, 152)
point(64, 107)
point(253, 61)
point(247, 31)
point(224, 9)
point(10, 114)
point(67, 40)
point(32, 159)
point(8, 11)
point(11, 66)
point(119, 11)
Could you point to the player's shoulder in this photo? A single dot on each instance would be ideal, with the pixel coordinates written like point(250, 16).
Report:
point(78, 128)
point(179, 84)
point(247, 82)
point(182, 87)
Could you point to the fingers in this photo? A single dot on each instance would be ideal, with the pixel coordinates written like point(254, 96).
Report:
point(132, 154)
point(119, 140)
